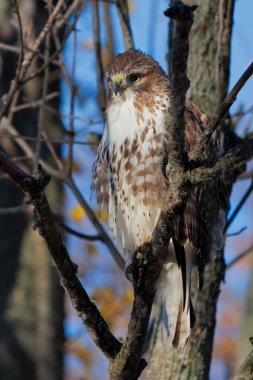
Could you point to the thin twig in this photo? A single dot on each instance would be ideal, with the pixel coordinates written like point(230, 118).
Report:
point(99, 59)
point(29, 57)
point(21, 41)
point(237, 232)
point(196, 153)
point(240, 257)
point(122, 7)
point(94, 220)
point(13, 210)
point(72, 110)
point(51, 59)
point(35, 103)
point(41, 119)
point(60, 175)
point(52, 150)
point(45, 139)
point(78, 234)
point(239, 206)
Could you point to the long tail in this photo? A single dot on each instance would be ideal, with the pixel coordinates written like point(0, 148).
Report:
point(173, 291)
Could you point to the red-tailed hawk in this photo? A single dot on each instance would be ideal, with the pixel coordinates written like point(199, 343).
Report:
point(130, 181)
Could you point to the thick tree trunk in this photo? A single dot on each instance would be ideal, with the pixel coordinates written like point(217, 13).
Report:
point(31, 300)
point(208, 70)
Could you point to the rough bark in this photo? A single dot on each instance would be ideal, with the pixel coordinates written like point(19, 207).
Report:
point(208, 70)
point(244, 345)
point(31, 300)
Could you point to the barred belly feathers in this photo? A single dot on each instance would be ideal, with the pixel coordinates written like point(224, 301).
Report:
point(130, 181)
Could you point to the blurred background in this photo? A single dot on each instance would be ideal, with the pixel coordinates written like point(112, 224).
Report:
point(39, 329)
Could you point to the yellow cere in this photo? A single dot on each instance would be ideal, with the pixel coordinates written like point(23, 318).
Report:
point(117, 79)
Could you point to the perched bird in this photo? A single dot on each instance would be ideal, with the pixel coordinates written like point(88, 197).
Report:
point(130, 181)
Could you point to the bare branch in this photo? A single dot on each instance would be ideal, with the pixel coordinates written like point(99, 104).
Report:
point(69, 182)
point(71, 130)
point(21, 40)
point(12, 210)
point(28, 58)
point(246, 369)
point(99, 58)
point(240, 204)
point(43, 99)
point(50, 60)
point(197, 152)
point(33, 188)
point(182, 19)
point(240, 256)
point(45, 139)
point(122, 7)
point(78, 234)
point(94, 220)
point(241, 230)
point(209, 169)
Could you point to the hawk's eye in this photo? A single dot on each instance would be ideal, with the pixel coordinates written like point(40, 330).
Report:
point(133, 78)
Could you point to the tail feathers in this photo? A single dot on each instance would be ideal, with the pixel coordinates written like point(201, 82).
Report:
point(173, 291)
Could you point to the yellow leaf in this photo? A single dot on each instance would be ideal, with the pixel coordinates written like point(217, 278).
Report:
point(128, 296)
point(81, 353)
point(77, 214)
point(91, 248)
point(75, 166)
point(88, 44)
point(102, 214)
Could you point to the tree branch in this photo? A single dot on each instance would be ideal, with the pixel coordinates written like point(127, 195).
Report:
point(128, 363)
point(240, 256)
point(99, 60)
point(33, 188)
point(28, 58)
point(197, 152)
point(246, 369)
point(122, 7)
point(182, 19)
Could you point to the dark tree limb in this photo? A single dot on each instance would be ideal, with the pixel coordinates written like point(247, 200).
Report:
point(99, 58)
point(33, 188)
point(229, 161)
point(123, 12)
point(181, 19)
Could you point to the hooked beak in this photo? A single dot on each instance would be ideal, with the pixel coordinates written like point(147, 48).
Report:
point(117, 84)
point(116, 87)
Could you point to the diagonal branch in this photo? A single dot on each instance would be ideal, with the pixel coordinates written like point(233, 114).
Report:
point(196, 154)
point(33, 188)
point(123, 12)
point(211, 168)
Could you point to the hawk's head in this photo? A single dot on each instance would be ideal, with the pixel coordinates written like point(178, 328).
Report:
point(134, 71)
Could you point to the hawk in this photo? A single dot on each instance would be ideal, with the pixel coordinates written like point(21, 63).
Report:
point(130, 181)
